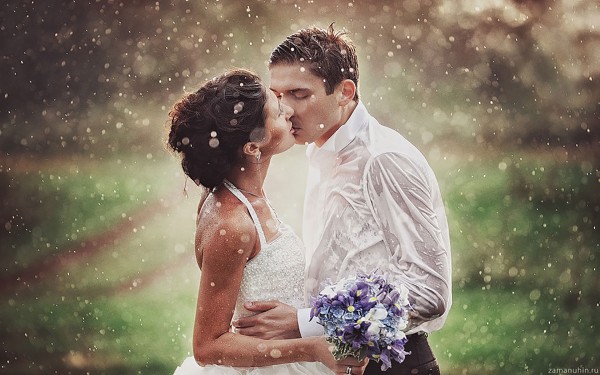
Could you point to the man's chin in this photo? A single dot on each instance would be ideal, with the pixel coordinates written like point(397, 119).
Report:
point(301, 141)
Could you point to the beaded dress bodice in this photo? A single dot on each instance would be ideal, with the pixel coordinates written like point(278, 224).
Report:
point(277, 271)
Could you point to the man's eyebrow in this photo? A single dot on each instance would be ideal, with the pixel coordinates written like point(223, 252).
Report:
point(290, 91)
point(300, 89)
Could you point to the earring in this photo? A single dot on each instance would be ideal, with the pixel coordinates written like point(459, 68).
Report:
point(258, 157)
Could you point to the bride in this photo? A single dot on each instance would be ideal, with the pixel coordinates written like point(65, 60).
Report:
point(226, 133)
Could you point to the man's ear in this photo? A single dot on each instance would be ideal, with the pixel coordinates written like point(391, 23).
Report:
point(348, 89)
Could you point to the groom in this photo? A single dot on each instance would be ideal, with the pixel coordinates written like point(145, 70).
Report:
point(372, 201)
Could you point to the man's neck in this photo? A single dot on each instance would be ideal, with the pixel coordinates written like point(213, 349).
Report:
point(346, 114)
point(348, 111)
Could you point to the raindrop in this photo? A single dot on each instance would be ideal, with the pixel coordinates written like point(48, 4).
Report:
point(212, 283)
point(222, 232)
point(321, 126)
point(213, 134)
point(238, 107)
point(240, 251)
point(214, 142)
point(275, 353)
point(535, 295)
point(233, 122)
point(302, 69)
point(185, 141)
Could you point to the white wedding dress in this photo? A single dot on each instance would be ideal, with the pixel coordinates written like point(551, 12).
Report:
point(276, 273)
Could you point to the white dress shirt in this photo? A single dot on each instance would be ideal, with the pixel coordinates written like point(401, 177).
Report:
point(372, 201)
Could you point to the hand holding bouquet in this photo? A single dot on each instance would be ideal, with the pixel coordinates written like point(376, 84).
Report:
point(364, 316)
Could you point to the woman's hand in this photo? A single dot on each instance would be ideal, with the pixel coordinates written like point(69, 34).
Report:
point(323, 353)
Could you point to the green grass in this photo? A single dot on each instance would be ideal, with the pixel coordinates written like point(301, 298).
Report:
point(499, 331)
point(124, 309)
point(142, 332)
point(55, 208)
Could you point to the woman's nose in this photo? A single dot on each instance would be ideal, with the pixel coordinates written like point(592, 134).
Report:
point(289, 111)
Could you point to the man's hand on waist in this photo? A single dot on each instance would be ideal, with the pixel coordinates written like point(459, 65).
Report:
point(273, 320)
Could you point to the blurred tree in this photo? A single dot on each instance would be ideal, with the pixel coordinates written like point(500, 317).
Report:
point(83, 75)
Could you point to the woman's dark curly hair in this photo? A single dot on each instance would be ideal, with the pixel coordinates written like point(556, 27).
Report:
point(209, 127)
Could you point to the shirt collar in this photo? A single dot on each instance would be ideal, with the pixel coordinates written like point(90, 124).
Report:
point(344, 135)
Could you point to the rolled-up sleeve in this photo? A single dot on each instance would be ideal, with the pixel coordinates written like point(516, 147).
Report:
point(404, 198)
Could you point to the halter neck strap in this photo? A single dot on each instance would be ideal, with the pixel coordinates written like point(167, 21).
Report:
point(238, 194)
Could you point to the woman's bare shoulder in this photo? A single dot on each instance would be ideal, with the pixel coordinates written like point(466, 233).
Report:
point(224, 226)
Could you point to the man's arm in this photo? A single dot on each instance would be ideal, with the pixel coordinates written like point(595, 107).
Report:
point(404, 198)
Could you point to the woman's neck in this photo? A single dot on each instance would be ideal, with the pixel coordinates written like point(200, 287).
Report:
point(250, 177)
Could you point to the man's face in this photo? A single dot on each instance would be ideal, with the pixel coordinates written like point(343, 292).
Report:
point(316, 115)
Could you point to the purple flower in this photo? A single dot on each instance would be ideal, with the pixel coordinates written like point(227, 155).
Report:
point(364, 316)
point(385, 358)
point(355, 335)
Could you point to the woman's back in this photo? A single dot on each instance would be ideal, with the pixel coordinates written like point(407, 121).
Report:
point(276, 271)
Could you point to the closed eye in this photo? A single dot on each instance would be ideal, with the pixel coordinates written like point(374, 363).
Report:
point(300, 93)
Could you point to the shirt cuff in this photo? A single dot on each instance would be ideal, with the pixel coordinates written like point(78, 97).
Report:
point(308, 327)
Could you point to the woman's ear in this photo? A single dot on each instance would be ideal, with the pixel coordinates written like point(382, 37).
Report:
point(251, 149)
point(348, 89)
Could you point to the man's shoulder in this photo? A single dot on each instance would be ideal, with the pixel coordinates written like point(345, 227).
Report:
point(384, 140)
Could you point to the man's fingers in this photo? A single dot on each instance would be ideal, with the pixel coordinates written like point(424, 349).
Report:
point(246, 331)
point(245, 322)
point(255, 333)
point(259, 306)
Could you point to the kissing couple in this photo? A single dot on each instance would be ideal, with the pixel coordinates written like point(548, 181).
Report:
point(372, 201)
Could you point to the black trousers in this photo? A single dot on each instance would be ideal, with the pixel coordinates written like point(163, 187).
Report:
point(420, 360)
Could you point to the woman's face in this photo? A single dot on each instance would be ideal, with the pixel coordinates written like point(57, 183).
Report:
point(279, 134)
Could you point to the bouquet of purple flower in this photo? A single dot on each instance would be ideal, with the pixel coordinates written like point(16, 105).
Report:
point(364, 316)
